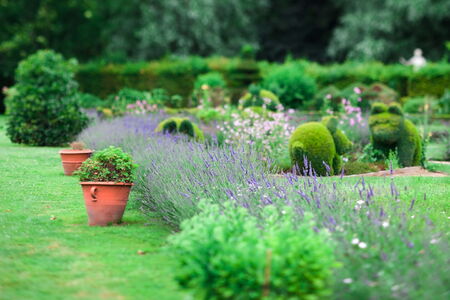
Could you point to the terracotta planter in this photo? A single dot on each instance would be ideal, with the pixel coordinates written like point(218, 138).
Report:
point(105, 201)
point(72, 159)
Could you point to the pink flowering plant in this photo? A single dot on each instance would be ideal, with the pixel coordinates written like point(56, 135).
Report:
point(352, 122)
point(141, 107)
point(267, 132)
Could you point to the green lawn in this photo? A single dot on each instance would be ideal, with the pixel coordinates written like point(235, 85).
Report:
point(41, 258)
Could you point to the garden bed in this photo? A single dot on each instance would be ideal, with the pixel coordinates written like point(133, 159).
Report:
point(409, 171)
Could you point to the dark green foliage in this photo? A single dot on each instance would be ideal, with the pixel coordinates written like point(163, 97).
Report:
point(259, 97)
point(110, 164)
point(298, 28)
point(387, 30)
point(372, 155)
point(44, 110)
point(181, 125)
point(170, 127)
point(392, 132)
point(321, 143)
point(291, 84)
point(86, 100)
point(186, 128)
point(177, 76)
point(224, 252)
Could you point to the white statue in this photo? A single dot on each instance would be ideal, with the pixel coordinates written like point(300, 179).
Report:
point(417, 61)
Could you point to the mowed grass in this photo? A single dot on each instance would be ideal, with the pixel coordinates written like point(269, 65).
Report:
point(47, 251)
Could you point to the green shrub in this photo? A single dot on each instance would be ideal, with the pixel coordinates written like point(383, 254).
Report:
point(208, 115)
point(291, 84)
point(110, 164)
point(371, 155)
point(180, 125)
point(229, 254)
point(259, 97)
point(417, 105)
point(44, 109)
point(328, 98)
point(358, 167)
point(86, 100)
point(211, 79)
point(322, 144)
point(380, 92)
point(392, 161)
point(390, 131)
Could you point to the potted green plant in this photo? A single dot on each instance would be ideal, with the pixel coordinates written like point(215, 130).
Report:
point(106, 180)
point(73, 158)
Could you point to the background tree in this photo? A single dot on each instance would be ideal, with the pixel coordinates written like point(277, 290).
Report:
point(388, 29)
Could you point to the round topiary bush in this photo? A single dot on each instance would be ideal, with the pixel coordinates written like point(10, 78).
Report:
point(259, 97)
point(322, 144)
point(390, 131)
point(180, 125)
point(44, 110)
point(291, 84)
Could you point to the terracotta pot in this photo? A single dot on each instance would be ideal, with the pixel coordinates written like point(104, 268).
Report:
point(72, 159)
point(105, 201)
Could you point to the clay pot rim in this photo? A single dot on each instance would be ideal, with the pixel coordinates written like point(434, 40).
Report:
point(106, 183)
point(72, 151)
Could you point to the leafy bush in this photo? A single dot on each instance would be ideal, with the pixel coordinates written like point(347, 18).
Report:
point(291, 84)
point(110, 164)
point(327, 99)
point(44, 109)
point(211, 79)
point(371, 154)
point(226, 253)
point(86, 100)
point(390, 131)
point(208, 115)
point(418, 105)
point(392, 161)
point(358, 167)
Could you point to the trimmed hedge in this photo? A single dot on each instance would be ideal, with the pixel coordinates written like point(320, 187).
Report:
point(178, 75)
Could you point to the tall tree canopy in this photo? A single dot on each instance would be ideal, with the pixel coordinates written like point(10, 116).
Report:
point(388, 29)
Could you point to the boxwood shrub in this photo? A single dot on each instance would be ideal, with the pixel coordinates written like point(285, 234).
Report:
point(44, 109)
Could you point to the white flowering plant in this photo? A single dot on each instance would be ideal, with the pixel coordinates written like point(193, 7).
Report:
point(266, 131)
